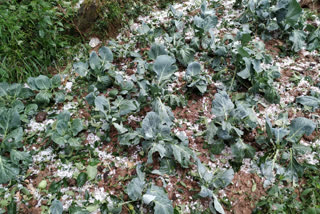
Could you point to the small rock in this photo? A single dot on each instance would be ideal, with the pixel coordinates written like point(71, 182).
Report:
point(105, 176)
point(94, 42)
point(100, 168)
point(72, 182)
point(41, 116)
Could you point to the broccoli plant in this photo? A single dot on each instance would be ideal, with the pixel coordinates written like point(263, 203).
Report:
point(283, 147)
point(155, 134)
point(227, 127)
point(96, 67)
point(194, 78)
point(139, 190)
point(210, 181)
point(12, 94)
point(65, 130)
point(251, 69)
point(46, 88)
point(12, 160)
point(310, 102)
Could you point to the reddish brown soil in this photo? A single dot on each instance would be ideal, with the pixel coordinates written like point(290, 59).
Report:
point(273, 47)
point(246, 190)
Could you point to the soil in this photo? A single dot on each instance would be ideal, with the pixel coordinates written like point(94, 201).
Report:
point(246, 190)
point(273, 47)
point(311, 4)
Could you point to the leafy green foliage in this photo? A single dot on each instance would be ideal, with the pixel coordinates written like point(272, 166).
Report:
point(65, 130)
point(11, 134)
point(282, 18)
point(56, 207)
point(46, 88)
point(285, 141)
point(33, 36)
point(136, 185)
point(164, 68)
point(224, 127)
point(156, 195)
point(194, 78)
point(312, 102)
point(210, 181)
point(95, 68)
point(286, 199)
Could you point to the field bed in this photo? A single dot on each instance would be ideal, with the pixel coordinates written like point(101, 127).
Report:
point(204, 107)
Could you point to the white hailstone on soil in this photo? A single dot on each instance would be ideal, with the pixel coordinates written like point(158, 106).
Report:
point(65, 170)
point(134, 118)
point(44, 156)
point(68, 86)
point(99, 194)
point(94, 42)
point(38, 127)
point(92, 138)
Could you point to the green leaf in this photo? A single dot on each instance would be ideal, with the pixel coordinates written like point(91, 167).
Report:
point(105, 54)
point(164, 67)
point(56, 81)
point(76, 126)
point(56, 207)
point(163, 111)
point(82, 179)
point(162, 205)
point(204, 173)
point(120, 128)
point(59, 97)
point(182, 154)
point(17, 156)
point(193, 69)
point(294, 170)
point(81, 68)
point(157, 50)
point(152, 126)
point(269, 128)
point(58, 139)
point(241, 150)
point(92, 172)
point(9, 119)
point(294, 12)
point(126, 106)
point(43, 97)
point(26, 93)
point(128, 139)
point(223, 178)
point(7, 171)
point(297, 37)
point(279, 134)
point(74, 142)
point(77, 210)
point(222, 104)
point(298, 127)
point(12, 208)
point(136, 186)
point(43, 82)
point(94, 61)
point(13, 139)
point(185, 55)
point(308, 101)
point(62, 127)
point(102, 104)
point(217, 205)
point(205, 192)
point(156, 147)
point(245, 73)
